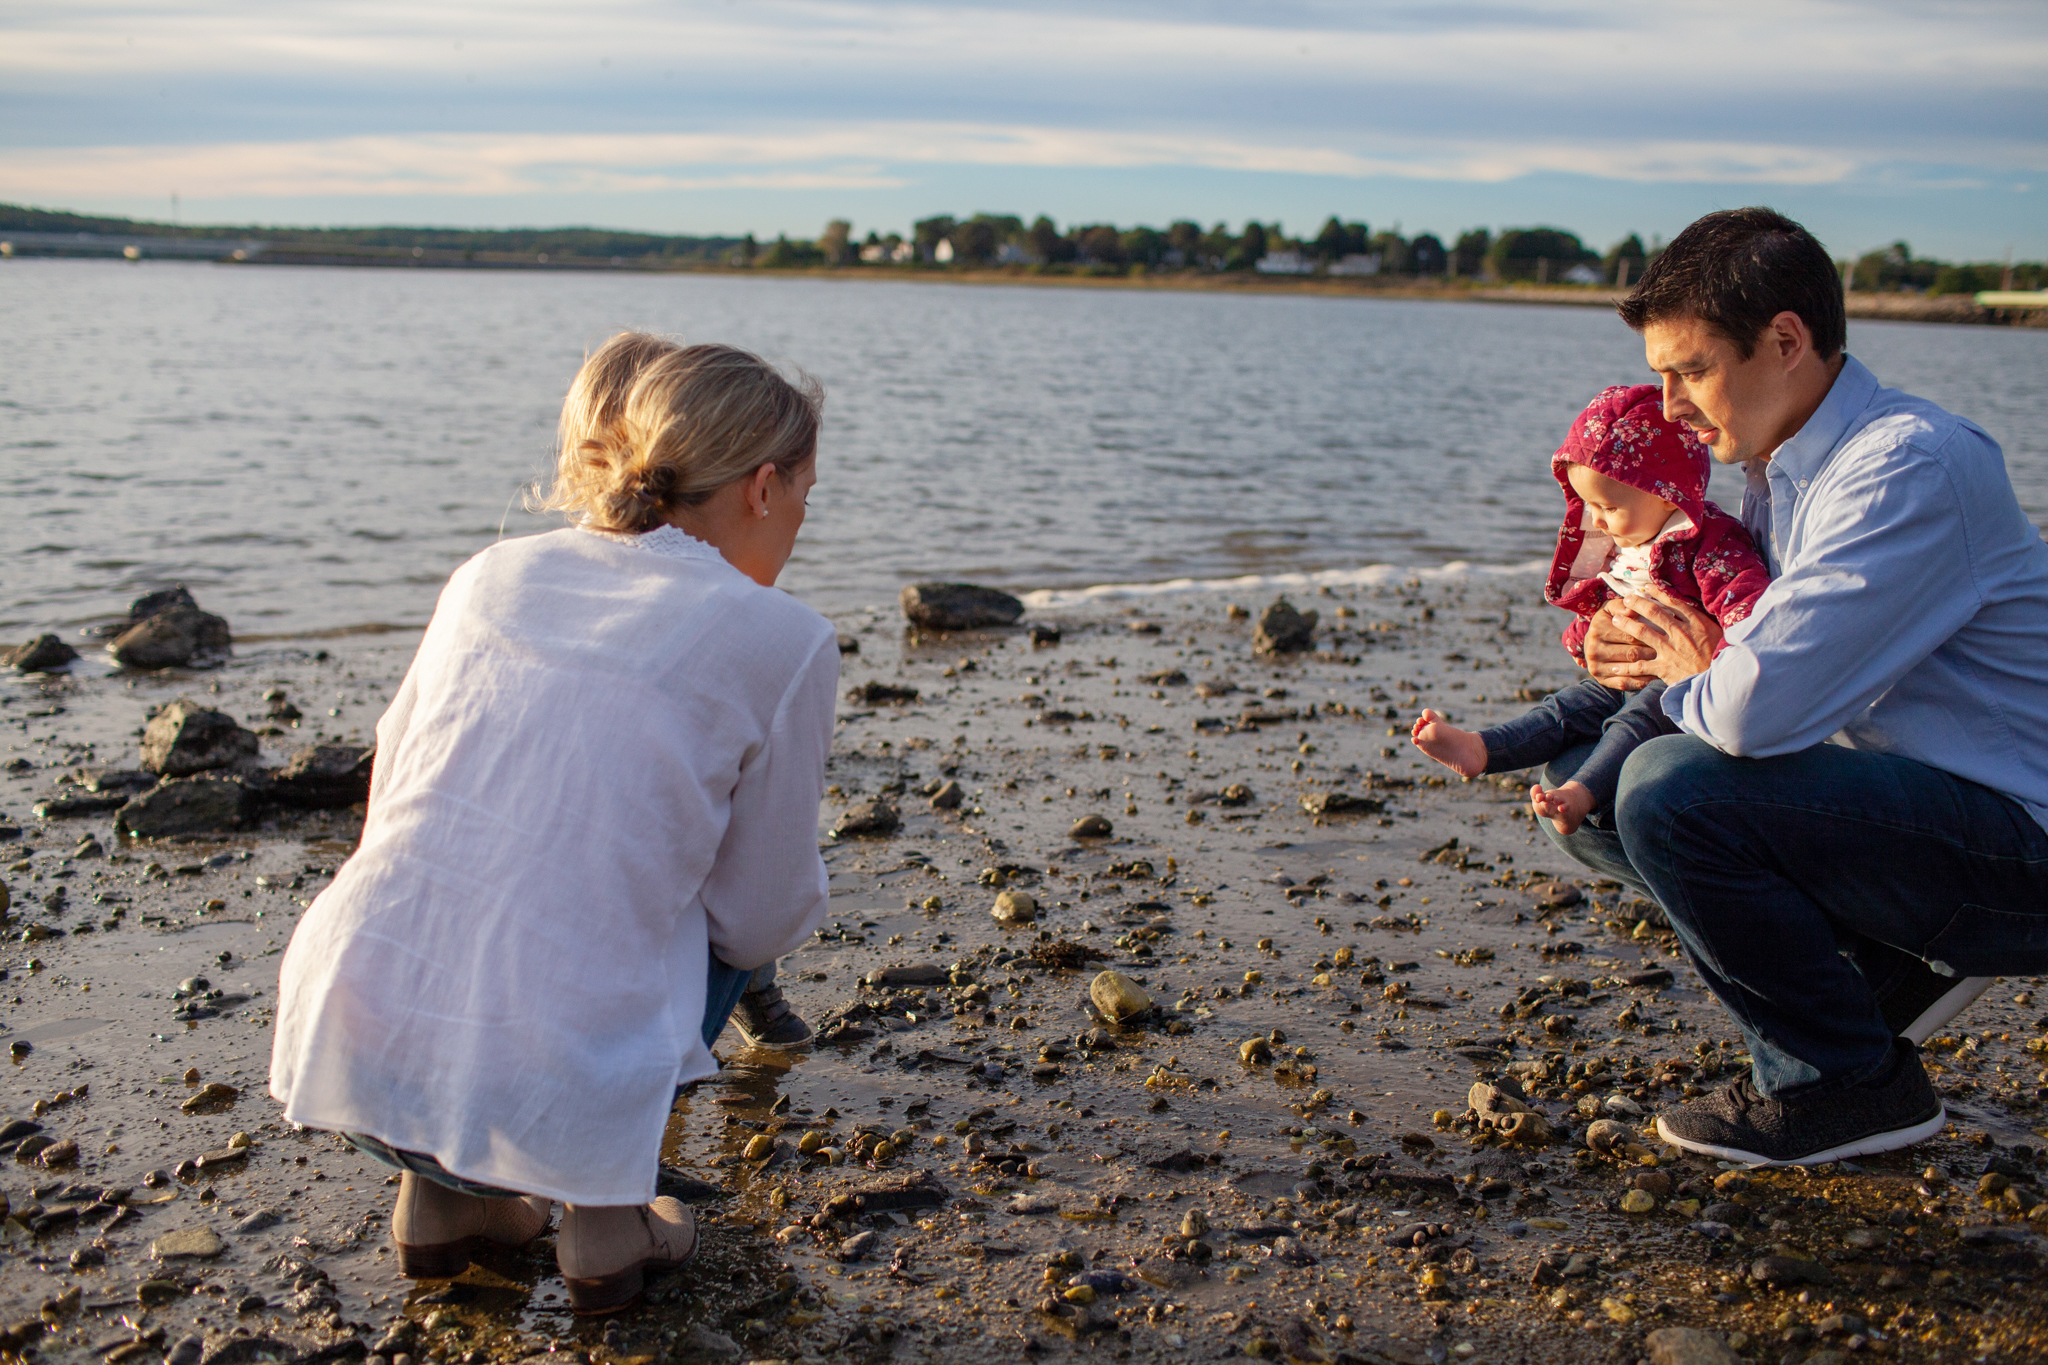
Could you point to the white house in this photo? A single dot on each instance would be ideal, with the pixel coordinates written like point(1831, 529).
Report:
point(1284, 263)
point(1357, 263)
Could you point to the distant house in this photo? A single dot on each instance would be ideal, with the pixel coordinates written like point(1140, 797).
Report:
point(1357, 263)
point(874, 252)
point(1284, 263)
point(943, 252)
point(1584, 274)
point(1009, 253)
point(901, 252)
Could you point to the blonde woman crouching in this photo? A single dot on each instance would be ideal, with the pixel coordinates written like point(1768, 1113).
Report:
point(593, 813)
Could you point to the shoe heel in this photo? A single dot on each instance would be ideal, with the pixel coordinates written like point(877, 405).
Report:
point(606, 1293)
point(440, 1261)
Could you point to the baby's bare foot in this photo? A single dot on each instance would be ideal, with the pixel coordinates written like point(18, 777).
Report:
point(1566, 807)
point(1462, 751)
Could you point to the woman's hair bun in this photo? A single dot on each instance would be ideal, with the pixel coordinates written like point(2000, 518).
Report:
point(649, 427)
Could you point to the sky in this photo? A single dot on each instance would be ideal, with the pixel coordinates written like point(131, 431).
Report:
point(1870, 121)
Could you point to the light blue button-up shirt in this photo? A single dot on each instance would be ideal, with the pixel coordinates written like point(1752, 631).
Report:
point(1909, 605)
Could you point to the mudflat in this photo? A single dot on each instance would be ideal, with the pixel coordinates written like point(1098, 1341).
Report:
point(1372, 1080)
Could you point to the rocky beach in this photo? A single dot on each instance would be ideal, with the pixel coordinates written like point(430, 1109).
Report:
point(1170, 1006)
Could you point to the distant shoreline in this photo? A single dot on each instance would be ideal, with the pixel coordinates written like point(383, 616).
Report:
point(1958, 309)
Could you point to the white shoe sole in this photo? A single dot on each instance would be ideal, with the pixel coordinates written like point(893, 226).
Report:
point(1952, 1002)
point(1865, 1146)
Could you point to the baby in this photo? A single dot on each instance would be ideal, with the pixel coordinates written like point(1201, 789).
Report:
point(1636, 514)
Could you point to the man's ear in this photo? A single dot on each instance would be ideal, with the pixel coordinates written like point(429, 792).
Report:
point(1789, 338)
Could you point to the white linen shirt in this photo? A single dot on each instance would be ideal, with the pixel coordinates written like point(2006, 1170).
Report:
point(604, 764)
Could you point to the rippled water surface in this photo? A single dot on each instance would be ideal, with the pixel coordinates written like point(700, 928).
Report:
point(315, 449)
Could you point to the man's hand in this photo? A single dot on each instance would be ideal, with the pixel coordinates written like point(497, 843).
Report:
point(1609, 649)
point(1679, 637)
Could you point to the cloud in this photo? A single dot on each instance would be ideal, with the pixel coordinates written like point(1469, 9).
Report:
point(818, 158)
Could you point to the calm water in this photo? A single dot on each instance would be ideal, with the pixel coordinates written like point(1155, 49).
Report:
point(314, 449)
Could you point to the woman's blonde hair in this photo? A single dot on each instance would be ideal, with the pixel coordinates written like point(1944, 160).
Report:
point(649, 427)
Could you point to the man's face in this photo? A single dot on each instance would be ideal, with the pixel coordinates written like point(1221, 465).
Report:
point(1740, 408)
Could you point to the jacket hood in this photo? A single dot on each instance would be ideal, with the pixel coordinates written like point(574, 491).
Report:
point(1623, 434)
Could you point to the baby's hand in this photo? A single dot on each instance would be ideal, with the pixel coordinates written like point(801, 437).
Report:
point(1566, 807)
point(1463, 752)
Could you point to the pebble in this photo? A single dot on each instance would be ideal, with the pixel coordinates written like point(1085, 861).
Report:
point(1688, 1346)
point(1015, 907)
point(200, 1243)
point(1117, 998)
point(1091, 827)
point(870, 819)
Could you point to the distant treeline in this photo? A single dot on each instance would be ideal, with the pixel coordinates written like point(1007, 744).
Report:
point(1000, 241)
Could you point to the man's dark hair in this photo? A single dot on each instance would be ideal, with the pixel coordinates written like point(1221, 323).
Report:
point(1736, 270)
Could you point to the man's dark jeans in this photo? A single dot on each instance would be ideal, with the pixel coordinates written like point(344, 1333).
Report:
point(1771, 869)
point(1612, 721)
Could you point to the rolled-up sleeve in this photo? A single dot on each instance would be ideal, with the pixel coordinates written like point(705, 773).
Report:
point(1881, 579)
point(766, 891)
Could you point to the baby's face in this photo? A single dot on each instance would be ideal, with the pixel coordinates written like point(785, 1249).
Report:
point(1628, 515)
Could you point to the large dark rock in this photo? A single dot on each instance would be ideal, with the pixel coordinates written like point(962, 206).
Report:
point(325, 777)
point(168, 630)
point(958, 606)
point(44, 654)
point(1283, 630)
point(212, 803)
point(186, 738)
point(868, 820)
point(173, 639)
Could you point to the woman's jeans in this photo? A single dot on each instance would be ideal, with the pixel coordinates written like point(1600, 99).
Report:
point(1614, 723)
point(722, 991)
point(1801, 885)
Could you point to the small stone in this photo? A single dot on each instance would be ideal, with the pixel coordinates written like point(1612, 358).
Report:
point(875, 818)
point(1042, 634)
point(44, 654)
point(1015, 907)
point(1638, 1201)
point(186, 738)
point(1290, 1251)
point(1025, 1204)
point(1255, 1051)
point(325, 777)
point(1283, 630)
point(702, 1341)
point(200, 1243)
point(1688, 1346)
point(948, 796)
point(1780, 1271)
point(1118, 998)
point(210, 803)
point(168, 630)
point(958, 606)
point(58, 1154)
point(258, 1221)
point(758, 1147)
point(213, 1095)
point(1091, 827)
point(858, 1245)
point(1605, 1135)
point(1557, 895)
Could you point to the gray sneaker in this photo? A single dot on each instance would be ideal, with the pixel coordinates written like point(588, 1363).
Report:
point(1740, 1123)
point(765, 1019)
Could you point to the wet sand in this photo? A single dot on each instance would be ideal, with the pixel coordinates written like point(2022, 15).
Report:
point(1389, 957)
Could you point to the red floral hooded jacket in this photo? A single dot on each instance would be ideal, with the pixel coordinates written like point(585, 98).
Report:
point(1623, 434)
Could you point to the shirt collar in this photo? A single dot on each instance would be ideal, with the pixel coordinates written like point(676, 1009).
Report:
point(1808, 449)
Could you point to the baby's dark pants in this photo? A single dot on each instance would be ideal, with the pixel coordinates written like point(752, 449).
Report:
point(1583, 713)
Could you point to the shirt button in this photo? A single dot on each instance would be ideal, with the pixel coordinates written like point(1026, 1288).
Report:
point(1802, 483)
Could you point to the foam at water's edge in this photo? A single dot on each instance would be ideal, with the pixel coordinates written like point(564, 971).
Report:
point(1370, 575)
